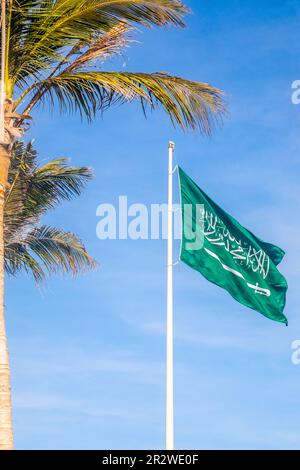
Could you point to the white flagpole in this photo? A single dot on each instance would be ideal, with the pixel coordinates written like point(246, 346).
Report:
point(170, 384)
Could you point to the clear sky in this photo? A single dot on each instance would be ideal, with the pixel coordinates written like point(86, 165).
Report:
point(88, 354)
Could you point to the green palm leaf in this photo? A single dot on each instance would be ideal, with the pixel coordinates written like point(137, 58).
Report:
point(188, 104)
point(47, 250)
point(17, 258)
point(56, 49)
point(33, 191)
point(53, 25)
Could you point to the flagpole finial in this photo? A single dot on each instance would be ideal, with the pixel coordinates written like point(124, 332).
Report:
point(171, 145)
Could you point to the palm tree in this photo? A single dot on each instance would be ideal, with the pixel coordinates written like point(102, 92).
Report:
point(39, 249)
point(32, 191)
point(52, 53)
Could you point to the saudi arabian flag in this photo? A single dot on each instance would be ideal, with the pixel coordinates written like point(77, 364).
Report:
point(229, 255)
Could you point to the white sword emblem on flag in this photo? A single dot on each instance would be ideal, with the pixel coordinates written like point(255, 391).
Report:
point(258, 290)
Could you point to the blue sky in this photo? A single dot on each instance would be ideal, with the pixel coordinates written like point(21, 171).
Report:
point(88, 354)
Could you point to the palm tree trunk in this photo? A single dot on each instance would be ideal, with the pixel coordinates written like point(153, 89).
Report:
point(6, 430)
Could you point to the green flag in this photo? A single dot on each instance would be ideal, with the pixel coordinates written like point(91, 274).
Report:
point(229, 255)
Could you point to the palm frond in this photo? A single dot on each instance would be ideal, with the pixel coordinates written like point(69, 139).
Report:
point(24, 157)
point(53, 26)
point(103, 47)
point(56, 181)
point(63, 41)
point(17, 258)
point(19, 27)
point(188, 104)
point(23, 165)
point(46, 250)
point(32, 192)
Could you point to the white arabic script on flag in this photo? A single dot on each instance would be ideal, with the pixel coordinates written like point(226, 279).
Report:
point(243, 253)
